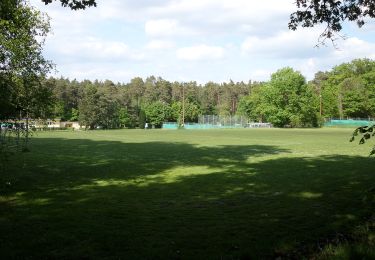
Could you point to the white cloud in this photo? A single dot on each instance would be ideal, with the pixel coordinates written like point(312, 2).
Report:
point(287, 45)
point(93, 49)
point(200, 52)
point(261, 74)
point(166, 27)
point(162, 27)
point(241, 39)
point(98, 71)
point(354, 48)
point(211, 17)
point(160, 45)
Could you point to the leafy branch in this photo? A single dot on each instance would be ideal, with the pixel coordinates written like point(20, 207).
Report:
point(365, 133)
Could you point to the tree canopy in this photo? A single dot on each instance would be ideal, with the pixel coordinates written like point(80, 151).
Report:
point(346, 91)
point(286, 100)
point(332, 14)
point(74, 4)
point(22, 33)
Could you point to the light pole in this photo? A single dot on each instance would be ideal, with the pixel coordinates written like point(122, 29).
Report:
point(183, 105)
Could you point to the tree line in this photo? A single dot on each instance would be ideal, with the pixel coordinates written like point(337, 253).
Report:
point(153, 100)
point(346, 91)
point(286, 100)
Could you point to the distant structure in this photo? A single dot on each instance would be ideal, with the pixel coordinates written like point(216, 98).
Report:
point(214, 121)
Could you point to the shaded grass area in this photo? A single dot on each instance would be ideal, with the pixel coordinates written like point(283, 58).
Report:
point(183, 194)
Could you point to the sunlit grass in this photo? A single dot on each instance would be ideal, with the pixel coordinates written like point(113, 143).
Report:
point(258, 193)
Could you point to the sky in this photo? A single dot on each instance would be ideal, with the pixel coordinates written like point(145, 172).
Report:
point(192, 40)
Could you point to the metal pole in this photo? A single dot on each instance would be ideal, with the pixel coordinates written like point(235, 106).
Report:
point(183, 104)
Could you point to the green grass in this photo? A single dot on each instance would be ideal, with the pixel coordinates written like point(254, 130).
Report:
point(217, 194)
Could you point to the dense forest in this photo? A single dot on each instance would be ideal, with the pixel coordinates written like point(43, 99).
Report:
point(287, 99)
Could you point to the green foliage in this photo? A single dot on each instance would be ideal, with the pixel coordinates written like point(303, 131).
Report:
point(22, 33)
point(98, 108)
point(58, 110)
point(89, 112)
point(22, 65)
point(75, 114)
point(124, 118)
point(284, 101)
point(157, 113)
point(331, 13)
point(365, 133)
point(191, 112)
point(348, 90)
point(74, 4)
point(254, 106)
point(142, 119)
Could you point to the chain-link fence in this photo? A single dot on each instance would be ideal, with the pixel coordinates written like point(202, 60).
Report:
point(213, 122)
point(223, 121)
point(349, 122)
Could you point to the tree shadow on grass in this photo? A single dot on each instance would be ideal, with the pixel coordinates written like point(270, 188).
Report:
point(81, 198)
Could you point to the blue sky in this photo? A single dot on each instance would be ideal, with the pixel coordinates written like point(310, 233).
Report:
point(192, 40)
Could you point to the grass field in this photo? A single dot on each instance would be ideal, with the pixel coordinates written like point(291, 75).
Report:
point(198, 194)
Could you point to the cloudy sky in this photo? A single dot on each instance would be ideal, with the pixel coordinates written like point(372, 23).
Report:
point(185, 40)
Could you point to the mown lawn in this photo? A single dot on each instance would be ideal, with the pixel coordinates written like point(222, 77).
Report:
point(189, 194)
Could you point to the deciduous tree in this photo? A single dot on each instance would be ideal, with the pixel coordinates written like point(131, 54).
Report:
point(74, 4)
point(332, 14)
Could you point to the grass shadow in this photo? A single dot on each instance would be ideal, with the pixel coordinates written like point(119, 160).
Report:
point(176, 200)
